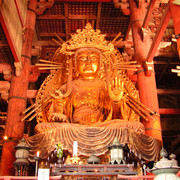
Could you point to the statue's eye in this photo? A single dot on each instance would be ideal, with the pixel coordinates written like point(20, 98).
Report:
point(94, 58)
point(82, 58)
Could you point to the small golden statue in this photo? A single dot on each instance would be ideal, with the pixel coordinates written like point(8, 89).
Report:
point(88, 98)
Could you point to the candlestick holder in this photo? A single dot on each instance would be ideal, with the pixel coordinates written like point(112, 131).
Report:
point(36, 158)
point(74, 159)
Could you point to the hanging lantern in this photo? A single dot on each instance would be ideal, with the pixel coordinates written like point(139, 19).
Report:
point(116, 150)
point(22, 154)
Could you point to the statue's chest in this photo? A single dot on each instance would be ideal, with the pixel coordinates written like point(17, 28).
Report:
point(86, 95)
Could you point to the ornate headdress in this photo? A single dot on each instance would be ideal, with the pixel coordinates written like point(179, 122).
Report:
point(88, 38)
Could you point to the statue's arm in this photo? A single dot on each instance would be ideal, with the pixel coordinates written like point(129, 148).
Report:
point(56, 110)
point(116, 90)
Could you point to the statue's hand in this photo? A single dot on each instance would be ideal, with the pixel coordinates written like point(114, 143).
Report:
point(58, 117)
point(116, 89)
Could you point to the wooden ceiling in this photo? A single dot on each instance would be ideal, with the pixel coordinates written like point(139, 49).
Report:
point(64, 18)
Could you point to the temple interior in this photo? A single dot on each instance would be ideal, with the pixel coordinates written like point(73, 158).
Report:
point(145, 36)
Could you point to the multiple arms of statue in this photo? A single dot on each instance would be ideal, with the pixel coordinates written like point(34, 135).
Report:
point(56, 110)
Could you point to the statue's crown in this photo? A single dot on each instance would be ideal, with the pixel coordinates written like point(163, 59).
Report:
point(87, 38)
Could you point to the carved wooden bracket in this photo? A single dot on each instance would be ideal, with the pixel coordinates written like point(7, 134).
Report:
point(18, 68)
point(42, 5)
point(145, 34)
point(123, 4)
point(24, 31)
point(7, 75)
point(36, 51)
point(148, 68)
point(6, 69)
point(4, 89)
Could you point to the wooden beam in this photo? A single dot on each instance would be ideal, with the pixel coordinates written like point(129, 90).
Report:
point(164, 63)
point(31, 93)
point(168, 91)
point(148, 13)
point(98, 15)
point(169, 111)
point(4, 86)
point(132, 76)
point(52, 34)
point(45, 43)
point(136, 177)
point(80, 17)
point(66, 9)
point(51, 17)
point(53, 44)
point(4, 67)
point(159, 34)
point(18, 11)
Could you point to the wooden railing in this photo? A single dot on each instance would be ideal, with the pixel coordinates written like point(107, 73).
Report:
point(128, 177)
point(27, 177)
point(60, 177)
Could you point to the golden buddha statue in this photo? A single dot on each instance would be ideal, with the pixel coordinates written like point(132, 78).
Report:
point(89, 99)
point(90, 102)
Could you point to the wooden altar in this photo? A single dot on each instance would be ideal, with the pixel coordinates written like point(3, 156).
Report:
point(95, 171)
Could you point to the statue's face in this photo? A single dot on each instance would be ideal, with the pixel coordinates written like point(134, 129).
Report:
point(88, 62)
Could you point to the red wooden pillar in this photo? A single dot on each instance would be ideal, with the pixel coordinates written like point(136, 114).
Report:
point(175, 12)
point(146, 85)
point(14, 128)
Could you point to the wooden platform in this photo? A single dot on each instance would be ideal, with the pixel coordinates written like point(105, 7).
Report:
point(100, 171)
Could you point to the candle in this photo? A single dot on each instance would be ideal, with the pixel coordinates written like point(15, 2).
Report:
point(38, 153)
point(75, 147)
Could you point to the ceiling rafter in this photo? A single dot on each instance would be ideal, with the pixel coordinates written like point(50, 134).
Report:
point(98, 15)
point(61, 17)
point(149, 13)
point(66, 10)
point(159, 34)
point(52, 16)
